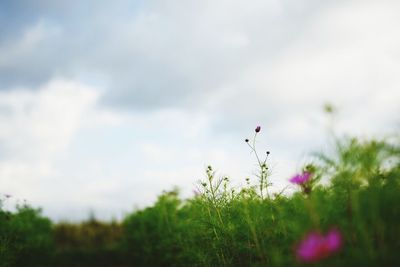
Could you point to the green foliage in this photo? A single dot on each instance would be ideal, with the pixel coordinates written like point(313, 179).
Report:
point(26, 238)
point(90, 243)
point(153, 236)
point(226, 227)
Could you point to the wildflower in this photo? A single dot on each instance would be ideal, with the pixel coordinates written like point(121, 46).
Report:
point(258, 129)
point(333, 240)
point(301, 179)
point(315, 247)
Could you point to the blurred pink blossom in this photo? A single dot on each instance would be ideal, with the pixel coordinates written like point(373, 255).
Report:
point(315, 247)
point(301, 179)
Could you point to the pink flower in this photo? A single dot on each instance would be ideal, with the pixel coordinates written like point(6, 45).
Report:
point(334, 240)
point(315, 247)
point(258, 129)
point(301, 179)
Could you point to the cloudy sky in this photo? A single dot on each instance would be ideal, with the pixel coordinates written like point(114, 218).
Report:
point(104, 104)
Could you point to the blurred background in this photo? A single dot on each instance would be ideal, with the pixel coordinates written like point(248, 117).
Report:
point(104, 104)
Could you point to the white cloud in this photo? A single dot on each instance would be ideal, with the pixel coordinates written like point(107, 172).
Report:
point(347, 55)
point(36, 127)
point(16, 52)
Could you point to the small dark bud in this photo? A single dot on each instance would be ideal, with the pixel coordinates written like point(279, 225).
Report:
point(268, 152)
point(258, 129)
point(246, 140)
point(307, 190)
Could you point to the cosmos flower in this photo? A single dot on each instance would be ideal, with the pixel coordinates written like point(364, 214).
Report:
point(301, 179)
point(315, 246)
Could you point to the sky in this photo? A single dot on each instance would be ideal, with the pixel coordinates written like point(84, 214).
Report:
point(105, 104)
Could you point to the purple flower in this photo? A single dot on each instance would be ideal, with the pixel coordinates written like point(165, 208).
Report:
point(315, 247)
point(333, 240)
point(258, 129)
point(309, 249)
point(301, 179)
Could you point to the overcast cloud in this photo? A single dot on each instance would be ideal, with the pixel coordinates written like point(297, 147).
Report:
point(105, 104)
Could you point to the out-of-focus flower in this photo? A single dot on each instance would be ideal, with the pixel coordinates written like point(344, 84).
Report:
point(334, 240)
point(258, 129)
point(315, 246)
point(301, 179)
